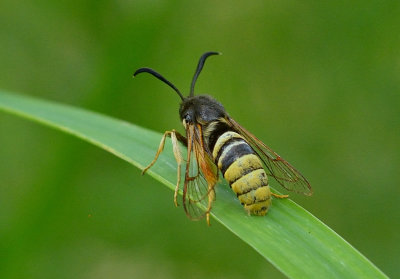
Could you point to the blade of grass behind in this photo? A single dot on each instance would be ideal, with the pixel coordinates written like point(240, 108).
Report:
point(292, 239)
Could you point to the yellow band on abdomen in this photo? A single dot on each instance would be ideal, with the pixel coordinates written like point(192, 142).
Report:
point(242, 166)
point(222, 140)
point(250, 181)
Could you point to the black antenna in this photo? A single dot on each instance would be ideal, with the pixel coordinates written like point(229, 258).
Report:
point(160, 77)
point(199, 68)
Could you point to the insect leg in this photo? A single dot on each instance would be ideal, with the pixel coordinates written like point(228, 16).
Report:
point(178, 158)
point(279, 196)
point(175, 137)
point(160, 149)
point(161, 146)
point(211, 198)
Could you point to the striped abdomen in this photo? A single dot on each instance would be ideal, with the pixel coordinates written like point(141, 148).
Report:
point(242, 168)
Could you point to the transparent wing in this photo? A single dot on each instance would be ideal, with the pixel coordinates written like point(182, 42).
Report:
point(201, 175)
point(284, 173)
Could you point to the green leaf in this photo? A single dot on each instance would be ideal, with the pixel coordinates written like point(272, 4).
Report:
point(292, 239)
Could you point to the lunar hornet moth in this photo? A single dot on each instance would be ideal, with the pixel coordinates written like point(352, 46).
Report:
point(215, 142)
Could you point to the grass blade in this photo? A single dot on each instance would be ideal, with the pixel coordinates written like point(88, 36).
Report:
point(292, 239)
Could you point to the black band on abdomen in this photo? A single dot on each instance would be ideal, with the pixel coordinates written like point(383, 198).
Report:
point(235, 153)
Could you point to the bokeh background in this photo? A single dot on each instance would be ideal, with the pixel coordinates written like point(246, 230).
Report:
point(318, 82)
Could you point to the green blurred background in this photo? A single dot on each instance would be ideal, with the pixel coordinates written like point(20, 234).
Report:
point(318, 82)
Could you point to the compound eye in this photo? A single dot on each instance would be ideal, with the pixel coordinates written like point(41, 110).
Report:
point(188, 119)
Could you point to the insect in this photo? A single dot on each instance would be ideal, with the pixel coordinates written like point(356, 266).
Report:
point(215, 142)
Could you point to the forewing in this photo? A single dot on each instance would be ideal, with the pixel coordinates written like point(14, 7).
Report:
point(200, 176)
point(283, 172)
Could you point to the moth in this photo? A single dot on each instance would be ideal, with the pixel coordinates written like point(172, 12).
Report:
point(216, 143)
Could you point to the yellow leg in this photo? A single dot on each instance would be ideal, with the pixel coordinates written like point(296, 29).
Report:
point(175, 136)
point(178, 158)
point(160, 149)
point(211, 198)
point(280, 196)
